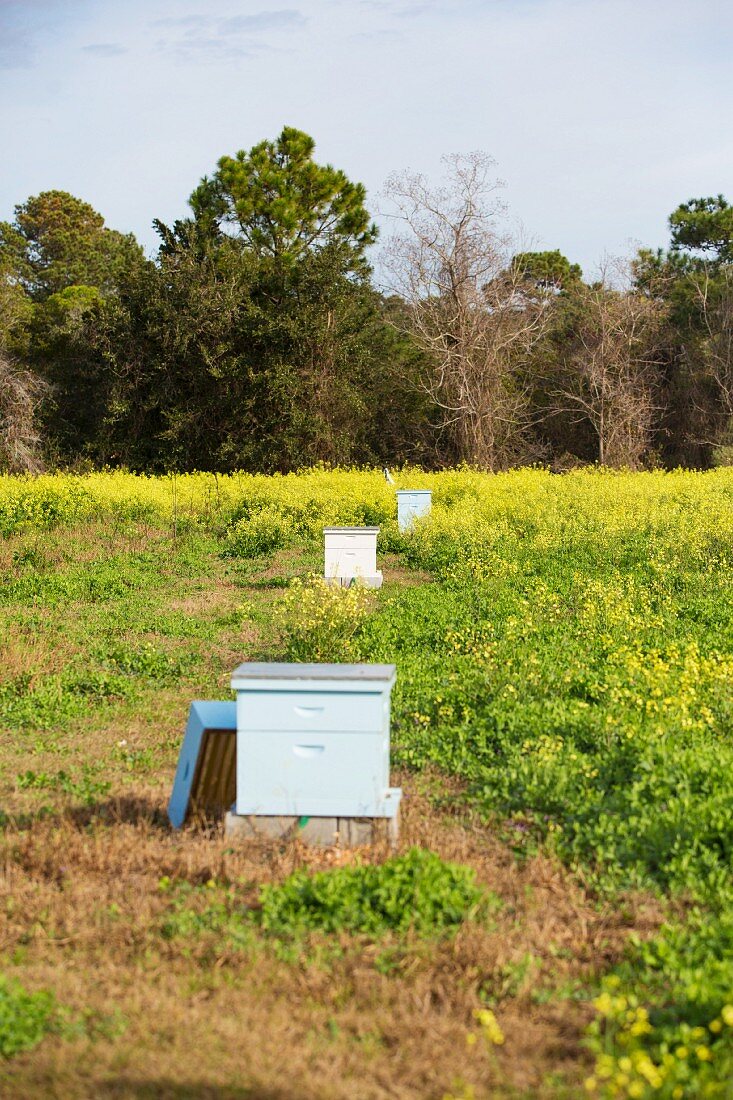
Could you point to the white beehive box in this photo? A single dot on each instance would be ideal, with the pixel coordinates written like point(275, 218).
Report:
point(411, 505)
point(350, 553)
point(313, 740)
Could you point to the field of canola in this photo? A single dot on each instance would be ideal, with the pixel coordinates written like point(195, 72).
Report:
point(568, 656)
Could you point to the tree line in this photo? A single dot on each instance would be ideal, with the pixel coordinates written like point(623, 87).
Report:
point(259, 336)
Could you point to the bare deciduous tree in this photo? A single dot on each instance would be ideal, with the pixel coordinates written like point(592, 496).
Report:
point(611, 374)
point(467, 306)
point(715, 302)
point(20, 442)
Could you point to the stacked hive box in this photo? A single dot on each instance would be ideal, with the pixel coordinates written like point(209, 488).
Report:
point(411, 505)
point(350, 554)
point(313, 742)
point(312, 753)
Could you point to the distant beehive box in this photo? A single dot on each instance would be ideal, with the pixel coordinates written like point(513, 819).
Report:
point(411, 505)
point(350, 553)
point(313, 740)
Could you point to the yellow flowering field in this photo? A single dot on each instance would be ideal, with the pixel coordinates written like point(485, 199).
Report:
point(564, 652)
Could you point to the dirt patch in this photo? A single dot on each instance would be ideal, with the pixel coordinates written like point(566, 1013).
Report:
point(207, 598)
point(396, 572)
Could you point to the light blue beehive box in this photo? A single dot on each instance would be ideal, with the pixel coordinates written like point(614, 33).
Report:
point(205, 776)
point(313, 740)
point(411, 505)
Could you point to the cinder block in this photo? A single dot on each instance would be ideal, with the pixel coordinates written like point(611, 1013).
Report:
point(319, 832)
point(346, 582)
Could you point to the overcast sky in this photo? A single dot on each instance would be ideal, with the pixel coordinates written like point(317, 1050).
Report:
point(602, 115)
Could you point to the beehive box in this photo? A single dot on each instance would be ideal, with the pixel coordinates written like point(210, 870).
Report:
point(205, 780)
point(314, 740)
point(350, 553)
point(411, 505)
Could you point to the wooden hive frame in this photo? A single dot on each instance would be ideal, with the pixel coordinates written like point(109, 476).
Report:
point(206, 776)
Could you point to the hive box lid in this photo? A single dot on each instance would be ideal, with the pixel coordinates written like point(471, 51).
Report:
point(414, 492)
point(351, 530)
point(254, 673)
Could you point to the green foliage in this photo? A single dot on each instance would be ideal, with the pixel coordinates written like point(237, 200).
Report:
point(101, 606)
point(59, 241)
point(86, 787)
point(106, 675)
point(24, 1017)
point(257, 340)
point(664, 1024)
point(254, 342)
point(417, 892)
point(321, 622)
point(221, 363)
point(547, 270)
point(570, 677)
point(704, 225)
point(16, 310)
point(207, 912)
point(414, 893)
point(29, 506)
point(281, 203)
point(694, 279)
point(261, 533)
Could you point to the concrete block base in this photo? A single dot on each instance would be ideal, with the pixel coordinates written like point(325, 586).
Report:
point(374, 581)
point(320, 832)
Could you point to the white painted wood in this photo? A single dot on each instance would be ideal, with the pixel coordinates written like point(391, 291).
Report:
point(350, 552)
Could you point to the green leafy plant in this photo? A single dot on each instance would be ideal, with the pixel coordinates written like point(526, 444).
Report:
point(209, 912)
point(86, 786)
point(416, 892)
point(24, 1017)
point(664, 1018)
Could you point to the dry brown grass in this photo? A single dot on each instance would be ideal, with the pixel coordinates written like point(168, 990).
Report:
point(82, 909)
point(395, 572)
point(58, 546)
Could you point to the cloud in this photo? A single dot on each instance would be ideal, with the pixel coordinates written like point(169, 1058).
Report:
point(27, 24)
point(397, 8)
point(211, 48)
point(447, 9)
point(263, 21)
point(105, 49)
point(209, 38)
point(182, 21)
point(383, 36)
